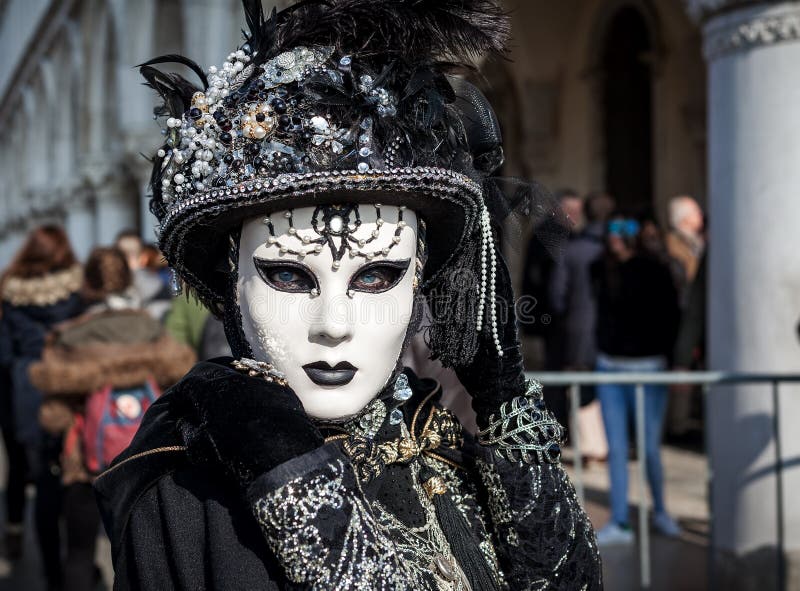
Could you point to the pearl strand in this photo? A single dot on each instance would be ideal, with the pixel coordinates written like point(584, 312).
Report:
point(492, 294)
point(487, 248)
point(484, 223)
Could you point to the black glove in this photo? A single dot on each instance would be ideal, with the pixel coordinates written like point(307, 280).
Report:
point(244, 424)
point(491, 379)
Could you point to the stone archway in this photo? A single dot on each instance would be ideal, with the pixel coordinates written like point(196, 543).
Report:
point(627, 110)
point(625, 53)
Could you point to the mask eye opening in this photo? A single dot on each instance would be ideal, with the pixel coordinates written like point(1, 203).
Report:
point(398, 270)
point(308, 282)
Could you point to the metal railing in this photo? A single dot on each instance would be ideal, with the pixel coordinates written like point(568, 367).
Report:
point(574, 380)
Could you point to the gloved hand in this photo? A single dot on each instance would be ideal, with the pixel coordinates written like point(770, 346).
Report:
point(245, 424)
point(491, 379)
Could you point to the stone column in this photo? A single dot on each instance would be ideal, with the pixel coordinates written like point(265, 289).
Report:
point(753, 55)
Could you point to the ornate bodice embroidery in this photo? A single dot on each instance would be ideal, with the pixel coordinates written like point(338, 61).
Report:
point(374, 539)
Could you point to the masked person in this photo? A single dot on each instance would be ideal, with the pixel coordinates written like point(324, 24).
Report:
point(312, 192)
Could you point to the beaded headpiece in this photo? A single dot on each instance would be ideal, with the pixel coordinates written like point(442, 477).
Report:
point(339, 101)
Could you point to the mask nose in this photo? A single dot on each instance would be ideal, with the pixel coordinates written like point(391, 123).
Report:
point(333, 320)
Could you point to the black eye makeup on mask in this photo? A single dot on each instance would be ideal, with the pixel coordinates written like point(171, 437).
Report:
point(294, 277)
point(378, 276)
point(287, 276)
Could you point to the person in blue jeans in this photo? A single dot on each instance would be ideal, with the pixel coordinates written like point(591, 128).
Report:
point(637, 319)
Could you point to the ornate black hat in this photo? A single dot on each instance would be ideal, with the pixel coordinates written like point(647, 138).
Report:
point(336, 100)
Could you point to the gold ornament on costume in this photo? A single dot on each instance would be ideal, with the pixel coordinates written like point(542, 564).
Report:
point(434, 486)
point(199, 101)
point(441, 429)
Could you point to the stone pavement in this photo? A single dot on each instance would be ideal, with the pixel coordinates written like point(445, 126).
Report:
point(678, 565)
point(27, 573)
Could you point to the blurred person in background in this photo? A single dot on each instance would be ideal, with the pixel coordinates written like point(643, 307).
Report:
point(155, 265)
point(572, 206)
point(686, 245)
point(147, 285)
point(537, 272)
point(637, 315)
point(154, 261)
point(99, 374)
point(544, 345)
point(572, 301)
point(185, 321)
point(651, 238)
point(570, 289)
point(189, 322)
point(685, 240)
point(40, 288)
point(132, 246)
point(685, 413)
point(691, 342)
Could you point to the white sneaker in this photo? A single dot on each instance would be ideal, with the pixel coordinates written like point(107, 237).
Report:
point(666, 525)
point(613, 534)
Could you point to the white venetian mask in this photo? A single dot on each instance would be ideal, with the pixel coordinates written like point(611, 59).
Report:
point(326, 295)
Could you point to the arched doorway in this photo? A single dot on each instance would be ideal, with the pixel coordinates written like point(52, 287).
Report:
point(627, 109)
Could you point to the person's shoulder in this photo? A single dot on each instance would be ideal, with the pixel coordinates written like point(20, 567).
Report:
point(43, 291)
point(673, 240)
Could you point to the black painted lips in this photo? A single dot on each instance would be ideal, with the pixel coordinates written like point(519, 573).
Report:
point(322, 374)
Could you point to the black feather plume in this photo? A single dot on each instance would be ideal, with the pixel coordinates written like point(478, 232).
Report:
point(263, 33)
point(412, 30)
point(174, 89)
point(179, 59)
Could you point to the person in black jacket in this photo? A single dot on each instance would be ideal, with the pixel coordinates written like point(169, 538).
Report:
point(637, 318)
point(39, 289)
point(314, 191)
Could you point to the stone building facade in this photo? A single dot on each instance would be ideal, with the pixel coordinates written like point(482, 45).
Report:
point(74, 116)
point(644, 98)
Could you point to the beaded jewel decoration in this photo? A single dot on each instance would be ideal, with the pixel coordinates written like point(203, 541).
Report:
point(235, 132)
point(336, 221)
point(255, 368)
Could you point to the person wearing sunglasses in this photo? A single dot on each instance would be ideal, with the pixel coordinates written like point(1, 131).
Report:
point(637, 316)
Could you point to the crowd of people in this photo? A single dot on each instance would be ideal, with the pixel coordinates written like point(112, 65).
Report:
point(84, 350)
point(622, 296)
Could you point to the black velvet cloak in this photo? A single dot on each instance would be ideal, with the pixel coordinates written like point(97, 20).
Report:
point(316, 522)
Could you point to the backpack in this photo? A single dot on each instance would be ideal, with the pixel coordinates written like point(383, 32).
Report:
point(112, 417)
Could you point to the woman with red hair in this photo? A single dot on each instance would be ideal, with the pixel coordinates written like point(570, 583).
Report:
point(39, 289)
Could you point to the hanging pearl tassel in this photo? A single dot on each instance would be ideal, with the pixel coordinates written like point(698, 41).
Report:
point(488, 252)
point(482, 284)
